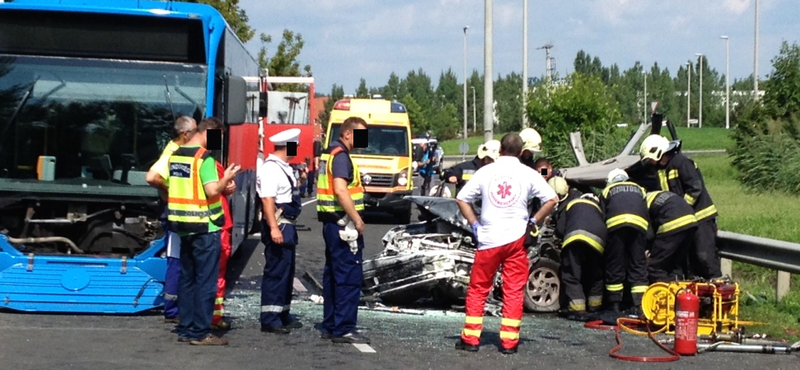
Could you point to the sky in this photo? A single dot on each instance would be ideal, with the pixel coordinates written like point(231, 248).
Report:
point(346, 40)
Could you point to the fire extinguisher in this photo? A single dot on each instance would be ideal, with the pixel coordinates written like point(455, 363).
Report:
point(686, 316)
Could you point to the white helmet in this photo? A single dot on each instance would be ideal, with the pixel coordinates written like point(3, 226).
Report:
point(491, 149)
point(653, 147)
point(616, 175)
point(531, 140)
point(560, 186)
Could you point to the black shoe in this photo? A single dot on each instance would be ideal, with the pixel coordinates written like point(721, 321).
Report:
point(294, 325)
point(351, 338)
point(614, 306)
point(463, 346)
point(326, 336)
point(276, 329)
point(509, 351)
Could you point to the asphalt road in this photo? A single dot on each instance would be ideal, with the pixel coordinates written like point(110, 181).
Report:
point(399, 341)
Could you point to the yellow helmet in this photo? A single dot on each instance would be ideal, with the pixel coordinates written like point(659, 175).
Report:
point(531, 140)
point(653, 147)
point(491, 149)
point(616, 175)
point(560, 186)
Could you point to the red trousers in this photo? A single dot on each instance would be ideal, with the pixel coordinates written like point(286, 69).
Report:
point(225, 253)
point(514, 259)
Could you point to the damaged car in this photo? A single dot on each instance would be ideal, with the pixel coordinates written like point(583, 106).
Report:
point(432, 259)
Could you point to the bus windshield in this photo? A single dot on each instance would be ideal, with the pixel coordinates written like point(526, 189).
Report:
point(96, 117)
point(382, 140)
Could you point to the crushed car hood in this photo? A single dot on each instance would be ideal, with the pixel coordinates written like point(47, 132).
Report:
point(443, 208)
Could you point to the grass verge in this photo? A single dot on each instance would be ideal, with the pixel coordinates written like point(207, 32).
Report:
point(772, 215)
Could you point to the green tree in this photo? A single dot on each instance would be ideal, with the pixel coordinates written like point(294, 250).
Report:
point(337, 93)
point(392, 89)
point(234, 15)
point(284, 62)
point(419, 123)
point(782, 90)
point(362, 91)
point(445, 124)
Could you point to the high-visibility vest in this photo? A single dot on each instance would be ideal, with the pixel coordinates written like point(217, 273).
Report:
point(326, 198)
point(189, 210)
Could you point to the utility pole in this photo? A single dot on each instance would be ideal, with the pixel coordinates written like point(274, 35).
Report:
point(524, 61)
point(700, 109)
point(547, 77)
point(755, 59)
point(465, 82)
point(474, 112)
point(688, 93)
point(727, 82)
point(644, 99)
point(488, 84)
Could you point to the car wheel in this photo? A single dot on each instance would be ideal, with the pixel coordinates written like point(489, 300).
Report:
point(543, 287)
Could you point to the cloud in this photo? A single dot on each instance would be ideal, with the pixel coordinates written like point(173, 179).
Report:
point(738, 6)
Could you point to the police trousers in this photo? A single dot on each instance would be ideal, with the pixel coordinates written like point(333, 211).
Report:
point(581, 277)
point(342, 278)
point(277, 283)
point(198, 288)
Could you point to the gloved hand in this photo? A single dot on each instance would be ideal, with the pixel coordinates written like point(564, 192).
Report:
point(475, 227)
point(533, 228)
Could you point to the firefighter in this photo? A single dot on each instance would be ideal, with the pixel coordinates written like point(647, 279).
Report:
point(672, 224)
point(195, 213)
point(281, 205)
point(184, 128)
point(504, 188)
point(625, 211)
point(581, 227)
point(532, 144)
point(217, 323)
point(462, 172)
point(340, 201)
point(680, 175)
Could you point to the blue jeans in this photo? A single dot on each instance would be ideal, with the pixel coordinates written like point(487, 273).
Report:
point(341, 282)
point(198, 283)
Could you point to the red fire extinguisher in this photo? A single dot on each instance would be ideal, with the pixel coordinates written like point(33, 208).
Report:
point(686, 315)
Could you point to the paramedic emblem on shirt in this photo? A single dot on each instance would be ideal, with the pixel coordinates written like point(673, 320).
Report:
point(503, 192)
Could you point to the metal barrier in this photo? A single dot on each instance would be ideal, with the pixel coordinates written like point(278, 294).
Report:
point(452, 160)
point(770, 253)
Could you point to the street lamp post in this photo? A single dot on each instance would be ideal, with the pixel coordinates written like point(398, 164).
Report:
point(644, 99)
point(465, 82)
point(474, 112)
point(524, 61)
point(727, 82)
point(700, 109)
point(688, 93)
point(488, 83)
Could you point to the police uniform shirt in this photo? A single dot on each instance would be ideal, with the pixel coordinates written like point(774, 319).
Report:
point(272, 180)
point(342, 168)
point(504, 188)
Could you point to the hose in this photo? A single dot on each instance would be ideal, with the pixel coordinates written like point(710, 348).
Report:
point(674, 356)
point(46, 239)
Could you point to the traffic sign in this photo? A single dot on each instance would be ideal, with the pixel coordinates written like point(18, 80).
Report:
point(463, 148)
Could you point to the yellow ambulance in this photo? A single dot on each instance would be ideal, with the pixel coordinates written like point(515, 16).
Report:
point(386, 163)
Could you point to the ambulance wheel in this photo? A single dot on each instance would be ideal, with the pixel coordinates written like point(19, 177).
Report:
point(543, 287)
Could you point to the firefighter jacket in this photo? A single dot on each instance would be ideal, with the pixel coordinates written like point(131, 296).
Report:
point(328, 207)
point(682, 177)
point(463, 172)
point(582, 220)
point(624, 205)
point(669, 213)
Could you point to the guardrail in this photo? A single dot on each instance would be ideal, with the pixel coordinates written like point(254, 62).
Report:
point(774, 254)
point(451, 160)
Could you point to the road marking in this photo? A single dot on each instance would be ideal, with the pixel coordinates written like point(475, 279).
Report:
point(363, 347)
point(309, 202)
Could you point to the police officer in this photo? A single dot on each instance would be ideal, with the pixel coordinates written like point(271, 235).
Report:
point(626, 216)
point(531, 144)
point(195, 213)
point(156, 177)
point(280, 200)
point(340, 200)
point(581, 226)
point(672, 224)
point(680, 175)
point(462, 172)
point(504, 188)
point(425, 166)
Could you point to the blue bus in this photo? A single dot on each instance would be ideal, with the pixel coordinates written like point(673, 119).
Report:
point(89, 93)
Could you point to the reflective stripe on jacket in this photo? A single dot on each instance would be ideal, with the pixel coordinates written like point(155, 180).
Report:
point(583, 221)
point(189, 210)
point(623, 205)
point(682, 177)
point(327, 203)
point(669, 213)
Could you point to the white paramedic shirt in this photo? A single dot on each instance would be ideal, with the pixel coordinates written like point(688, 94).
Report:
point(504, 187)
point(272, 181)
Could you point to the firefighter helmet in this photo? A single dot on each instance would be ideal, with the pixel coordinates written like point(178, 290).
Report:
point(531, 140)
point(489, 149)
point(560, 186)
point(653, 147)
point(616, 175)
